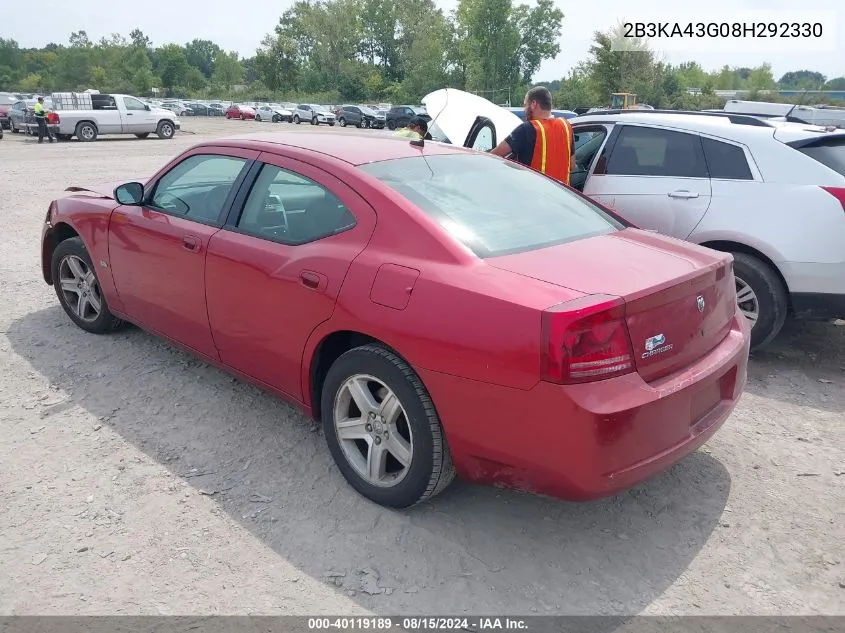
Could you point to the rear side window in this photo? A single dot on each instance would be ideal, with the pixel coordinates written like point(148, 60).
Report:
point(726, 161)
point(493, 207)
point(644, 151)
point(829, 152)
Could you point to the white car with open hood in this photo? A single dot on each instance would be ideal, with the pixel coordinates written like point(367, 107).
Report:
point(461, 118)
point(771, 193)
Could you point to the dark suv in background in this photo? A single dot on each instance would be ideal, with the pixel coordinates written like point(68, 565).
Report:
point(359, 116)
point(401, 115)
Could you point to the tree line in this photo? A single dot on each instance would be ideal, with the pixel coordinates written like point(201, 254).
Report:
point(334, 51)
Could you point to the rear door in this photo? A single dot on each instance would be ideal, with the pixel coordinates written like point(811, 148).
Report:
point(108, 116)
point(655, 178)
point(274, 272)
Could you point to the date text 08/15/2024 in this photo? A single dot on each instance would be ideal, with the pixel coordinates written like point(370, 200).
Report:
point(420, 623)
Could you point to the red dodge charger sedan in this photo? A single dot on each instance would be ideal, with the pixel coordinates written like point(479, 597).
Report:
point(439, 310)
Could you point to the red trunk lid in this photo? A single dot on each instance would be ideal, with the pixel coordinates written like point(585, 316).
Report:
point(679, 297)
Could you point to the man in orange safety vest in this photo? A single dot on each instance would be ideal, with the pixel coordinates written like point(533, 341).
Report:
point(543, 143)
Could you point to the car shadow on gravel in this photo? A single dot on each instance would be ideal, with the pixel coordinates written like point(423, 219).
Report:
point(804, 364)
point(472, 549)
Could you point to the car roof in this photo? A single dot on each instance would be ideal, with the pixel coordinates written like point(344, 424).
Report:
point(355, 149)
point(705, 123)
point(733, 126)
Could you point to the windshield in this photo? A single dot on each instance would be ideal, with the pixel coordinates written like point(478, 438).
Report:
point(368, 111)
point(829, 152)
point(494, 207)
point(437, 134)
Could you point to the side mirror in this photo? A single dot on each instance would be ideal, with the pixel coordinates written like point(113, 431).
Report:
point(131, 193)
point(146, 107)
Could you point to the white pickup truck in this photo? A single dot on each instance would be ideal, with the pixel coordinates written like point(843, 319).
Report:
point(87, 116)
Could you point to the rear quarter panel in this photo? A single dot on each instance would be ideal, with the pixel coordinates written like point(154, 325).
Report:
point(784, 221)
point(463, 317)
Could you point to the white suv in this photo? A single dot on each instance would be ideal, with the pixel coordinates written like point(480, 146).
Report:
point(771, 193)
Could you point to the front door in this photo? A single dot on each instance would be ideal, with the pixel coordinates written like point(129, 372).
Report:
point(274, 272)
point(589, 139)
point(655, 178)
point(157, 250)
point(138, 119)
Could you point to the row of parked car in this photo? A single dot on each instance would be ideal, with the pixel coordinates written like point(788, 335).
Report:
point(361, 116)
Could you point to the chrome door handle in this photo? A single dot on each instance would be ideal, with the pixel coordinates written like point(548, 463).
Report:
point(683, 194)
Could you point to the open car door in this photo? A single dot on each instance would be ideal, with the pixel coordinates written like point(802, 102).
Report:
point(462, 118)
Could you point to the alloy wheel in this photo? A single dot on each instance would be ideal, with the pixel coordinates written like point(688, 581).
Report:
point(373, 431)
point(80, 288)
point(749, 305)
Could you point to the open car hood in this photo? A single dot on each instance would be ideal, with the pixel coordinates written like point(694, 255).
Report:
point(105, 189)
point(455, 113)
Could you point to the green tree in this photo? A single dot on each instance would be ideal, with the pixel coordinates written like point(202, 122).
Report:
point(228, 70)
point(201, 54)
point(539, 31)
point(172, 65)
point(489, 45)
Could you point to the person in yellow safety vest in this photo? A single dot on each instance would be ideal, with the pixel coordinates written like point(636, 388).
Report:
point(41, 119)
point(417, 129)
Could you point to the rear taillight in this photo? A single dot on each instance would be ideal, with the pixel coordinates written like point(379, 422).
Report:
point(586, 340)
point(838, 193)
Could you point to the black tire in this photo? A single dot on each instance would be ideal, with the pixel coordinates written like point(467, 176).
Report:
point(143, 135)
point(331, 124)
point(165, 130)
point(342, 122)
point(391, 125)
point(12, 127)
point(276, 118)
point(74, 247)
point(431, 469)
point(86, 131)
point(314, 121)
point(296, 119)
point(772, 298)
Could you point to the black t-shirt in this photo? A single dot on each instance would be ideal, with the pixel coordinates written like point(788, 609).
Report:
point(522, 140)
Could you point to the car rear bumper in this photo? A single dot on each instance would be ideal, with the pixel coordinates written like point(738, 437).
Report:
point(587, 441)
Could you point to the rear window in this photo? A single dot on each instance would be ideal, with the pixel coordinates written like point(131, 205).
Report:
point(829, 152)
point(494, 207)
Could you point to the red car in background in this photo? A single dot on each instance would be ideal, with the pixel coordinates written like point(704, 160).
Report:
point(240, 112)
point(440, 310)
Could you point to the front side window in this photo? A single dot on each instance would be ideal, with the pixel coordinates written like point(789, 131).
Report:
point(132, 103)
point(198, 187)
point(290, 209)
point(493, 207)
point(644, 151)
point(484, 140)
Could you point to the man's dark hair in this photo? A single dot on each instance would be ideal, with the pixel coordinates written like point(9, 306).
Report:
point(41, 98)
point(419, 122)
point(541, 95)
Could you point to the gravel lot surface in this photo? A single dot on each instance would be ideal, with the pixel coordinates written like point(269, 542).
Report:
point(137, 480)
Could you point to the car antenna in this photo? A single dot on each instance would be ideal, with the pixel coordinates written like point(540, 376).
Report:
point(421, 142)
